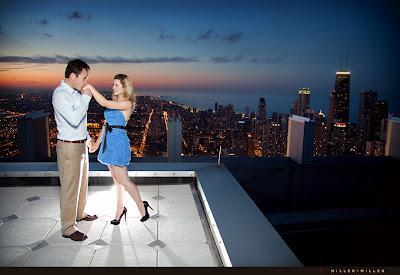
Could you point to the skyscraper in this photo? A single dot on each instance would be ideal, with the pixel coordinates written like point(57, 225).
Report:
point(33, 135)
point(372, 116)
point(367, 102)
point(321, 135)
point(300, 139)
point(174, 139)
point(338, 116)
point(262, 126)
point(379, 116)
point(230, 117)
point(339, 99)
point(304, 100)
point(295, 110)
point(392, 147)
point(261, 109)
point(365, 115)
point(344, 139)
point(277, 134)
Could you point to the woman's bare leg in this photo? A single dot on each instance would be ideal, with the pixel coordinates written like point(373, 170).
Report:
point(121, 174)
point(120, 192)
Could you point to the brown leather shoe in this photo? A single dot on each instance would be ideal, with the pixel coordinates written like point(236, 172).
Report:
point(76, 236)
point(89, 218)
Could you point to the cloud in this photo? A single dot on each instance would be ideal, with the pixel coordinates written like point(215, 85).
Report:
point(190, 39)
point(266, 60)
point(233, 37)
point(164, 35)
point(211, 34)
point(79, 15)
point(5, 69)
point(224, 59)
point(206, 36)
point(48, 35)
point(43, 22)
point(220, 59)
point(59, 59)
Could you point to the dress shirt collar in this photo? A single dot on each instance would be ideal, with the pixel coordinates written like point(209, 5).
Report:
point(68, 88)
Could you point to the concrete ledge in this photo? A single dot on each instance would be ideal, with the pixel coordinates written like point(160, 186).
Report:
point(246, 235)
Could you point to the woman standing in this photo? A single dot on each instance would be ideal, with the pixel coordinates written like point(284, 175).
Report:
point(115, 149)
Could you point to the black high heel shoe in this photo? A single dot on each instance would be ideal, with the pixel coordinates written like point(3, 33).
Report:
point(146, 216)
point(116, 222)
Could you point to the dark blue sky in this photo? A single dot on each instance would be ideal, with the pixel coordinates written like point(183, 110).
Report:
point(266, 48)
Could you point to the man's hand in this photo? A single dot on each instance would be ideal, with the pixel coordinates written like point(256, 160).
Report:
point(90, 145)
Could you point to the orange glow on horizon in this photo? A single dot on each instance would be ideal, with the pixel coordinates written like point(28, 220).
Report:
point(48, 76)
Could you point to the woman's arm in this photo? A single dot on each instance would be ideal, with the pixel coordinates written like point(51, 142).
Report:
point(110, 104)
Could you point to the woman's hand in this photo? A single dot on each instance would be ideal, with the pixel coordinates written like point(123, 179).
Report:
point(89, 88)
point(93, 146)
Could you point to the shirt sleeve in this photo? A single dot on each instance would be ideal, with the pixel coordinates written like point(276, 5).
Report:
point(72, 112)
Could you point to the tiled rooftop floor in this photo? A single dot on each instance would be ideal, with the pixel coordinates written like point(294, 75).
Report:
point(177, 233)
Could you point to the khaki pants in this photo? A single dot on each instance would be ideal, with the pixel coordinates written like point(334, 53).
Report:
point(72, 160)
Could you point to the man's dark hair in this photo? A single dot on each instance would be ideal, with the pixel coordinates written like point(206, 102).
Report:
point(75, 66)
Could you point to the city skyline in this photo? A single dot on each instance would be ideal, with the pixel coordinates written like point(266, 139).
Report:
point(241, 134)
point(191, 49)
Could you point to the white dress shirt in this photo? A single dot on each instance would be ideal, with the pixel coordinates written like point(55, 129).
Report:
point(70, 112)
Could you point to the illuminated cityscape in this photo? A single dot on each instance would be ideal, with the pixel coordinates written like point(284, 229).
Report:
point(204, 131)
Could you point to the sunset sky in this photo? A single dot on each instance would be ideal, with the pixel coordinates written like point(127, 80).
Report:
point(270, 47)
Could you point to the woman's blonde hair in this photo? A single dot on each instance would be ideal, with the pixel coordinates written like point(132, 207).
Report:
point(128, 87)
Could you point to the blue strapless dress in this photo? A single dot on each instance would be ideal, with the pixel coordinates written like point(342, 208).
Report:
point(117, 151)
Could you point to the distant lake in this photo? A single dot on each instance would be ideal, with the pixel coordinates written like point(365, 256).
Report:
point(280, 103)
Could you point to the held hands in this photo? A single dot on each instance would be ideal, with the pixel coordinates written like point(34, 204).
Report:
point(92, 146)
point(88, 89)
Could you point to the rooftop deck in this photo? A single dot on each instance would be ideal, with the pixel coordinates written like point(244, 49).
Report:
point(210, 223)
point(176, 234)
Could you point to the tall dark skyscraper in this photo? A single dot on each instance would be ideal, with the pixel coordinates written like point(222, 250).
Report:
point(379, 116)
point(339, 99)
point(262, 126)
point(262, 109)
point(321, 135)
point(338, 116)
point(304, 100)
point(367, 102)
point(302, 105)
point(365, 117)
point(277, 134)
point(33, 135)
point(338, 139)
point(372, 115)
point(230, 117)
